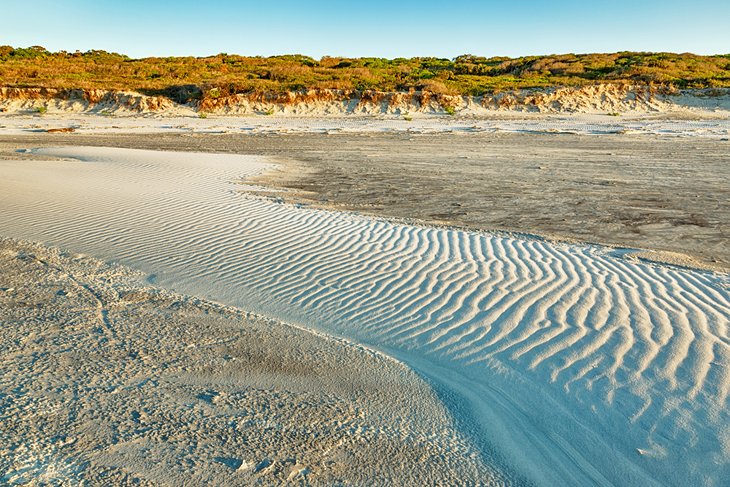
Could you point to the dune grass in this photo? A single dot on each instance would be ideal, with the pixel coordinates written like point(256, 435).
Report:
point(188, 78)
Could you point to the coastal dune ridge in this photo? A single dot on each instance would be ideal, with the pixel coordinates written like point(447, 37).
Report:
point(97, 81)
point(600, 98)
point(578, 365)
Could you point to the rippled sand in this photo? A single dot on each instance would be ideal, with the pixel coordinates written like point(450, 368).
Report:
point(576, 365)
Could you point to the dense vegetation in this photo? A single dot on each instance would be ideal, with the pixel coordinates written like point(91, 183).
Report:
point(183, 78)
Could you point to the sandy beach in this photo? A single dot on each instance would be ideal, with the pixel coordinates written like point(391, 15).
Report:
point(557, 361)
point(654, 189)
point(480, 244)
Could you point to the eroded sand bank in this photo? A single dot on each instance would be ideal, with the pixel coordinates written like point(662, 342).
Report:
point(576, 365)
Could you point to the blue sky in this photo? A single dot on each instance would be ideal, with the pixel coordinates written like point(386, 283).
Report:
point(368, 28)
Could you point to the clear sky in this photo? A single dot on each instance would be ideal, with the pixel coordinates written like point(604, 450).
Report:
point(367, 28)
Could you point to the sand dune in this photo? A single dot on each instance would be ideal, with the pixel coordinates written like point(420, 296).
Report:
point(573, 364)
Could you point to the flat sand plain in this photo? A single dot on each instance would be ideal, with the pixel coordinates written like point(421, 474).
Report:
point(656, 192)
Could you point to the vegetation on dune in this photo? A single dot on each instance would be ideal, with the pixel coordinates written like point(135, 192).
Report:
point(185, 79)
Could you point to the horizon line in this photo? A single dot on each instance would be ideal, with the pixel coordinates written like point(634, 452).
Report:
point(331, 56)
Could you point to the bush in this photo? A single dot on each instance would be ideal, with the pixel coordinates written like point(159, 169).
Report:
point(187, 79)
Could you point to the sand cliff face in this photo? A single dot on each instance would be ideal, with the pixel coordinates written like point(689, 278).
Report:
point(600, 98)
point(77, 100)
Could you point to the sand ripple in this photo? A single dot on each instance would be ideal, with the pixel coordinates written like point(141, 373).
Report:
point(577, 365)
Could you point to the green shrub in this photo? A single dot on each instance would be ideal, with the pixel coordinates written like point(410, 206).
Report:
point(186, 79)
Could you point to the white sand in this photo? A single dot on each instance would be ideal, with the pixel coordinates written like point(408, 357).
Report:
point(107, 380)
point(706, 124)
point(576, 365)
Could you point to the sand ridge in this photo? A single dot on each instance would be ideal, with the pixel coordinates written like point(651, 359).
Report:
point(600, 369)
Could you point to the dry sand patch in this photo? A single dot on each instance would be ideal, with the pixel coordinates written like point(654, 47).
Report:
point(109, 381)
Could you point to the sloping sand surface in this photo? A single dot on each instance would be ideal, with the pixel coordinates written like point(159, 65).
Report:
point(575, 364)
point(107, 381)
